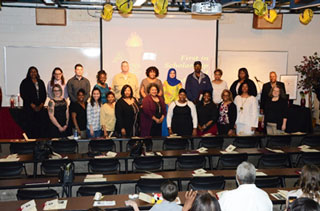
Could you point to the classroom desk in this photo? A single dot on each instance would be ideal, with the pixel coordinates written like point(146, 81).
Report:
point(84, 203)
point(169, 154)
point(178, 176)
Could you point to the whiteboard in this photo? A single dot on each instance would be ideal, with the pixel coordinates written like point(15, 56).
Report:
point(258, 63)
point(18, 60)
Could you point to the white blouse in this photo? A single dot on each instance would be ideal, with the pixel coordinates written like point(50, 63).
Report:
point(217, 90)
point(191, 106)
point(247, 110)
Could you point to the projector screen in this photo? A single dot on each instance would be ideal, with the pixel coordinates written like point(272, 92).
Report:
point(175, 41)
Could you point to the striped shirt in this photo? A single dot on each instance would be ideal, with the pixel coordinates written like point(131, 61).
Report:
point(93, 117)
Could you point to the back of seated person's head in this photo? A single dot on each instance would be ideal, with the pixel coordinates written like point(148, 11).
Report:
point(246, 173)
point(205, 202)
point(304, 204)
point(310, 181)
point(169, 190)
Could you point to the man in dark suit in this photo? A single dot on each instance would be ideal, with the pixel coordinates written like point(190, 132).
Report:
point(267, 87)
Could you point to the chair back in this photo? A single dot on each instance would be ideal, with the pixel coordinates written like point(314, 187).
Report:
point(207, 183)
point(211, 142)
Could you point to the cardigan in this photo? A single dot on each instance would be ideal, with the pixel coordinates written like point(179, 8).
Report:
point(29, 94)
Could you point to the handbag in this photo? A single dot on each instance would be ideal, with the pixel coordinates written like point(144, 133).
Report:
point(137, 149)
point(66, 174)
point(41, 151)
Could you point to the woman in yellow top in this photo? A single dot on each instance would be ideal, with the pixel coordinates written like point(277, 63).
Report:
point(171, 89)
point(107, 115)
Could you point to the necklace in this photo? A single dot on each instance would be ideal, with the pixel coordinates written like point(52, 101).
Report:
point(242, 103)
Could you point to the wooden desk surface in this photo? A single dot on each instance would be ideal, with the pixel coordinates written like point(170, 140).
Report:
point(84, 203)
point(134, 177)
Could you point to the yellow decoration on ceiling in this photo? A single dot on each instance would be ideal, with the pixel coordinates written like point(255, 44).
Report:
point(107, 12)
point(260, 7)
point(161, 7)
point(306, 17)
point(271, 16)
point(124, 6)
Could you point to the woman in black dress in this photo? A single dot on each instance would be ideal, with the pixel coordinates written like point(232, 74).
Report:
point(182, 116)
point(227, 114)
point(243, 76)
point(275, 112)
point(207, 115)
point(79, 114)
point(58, 113)
point(127, 113)
point(33, 92)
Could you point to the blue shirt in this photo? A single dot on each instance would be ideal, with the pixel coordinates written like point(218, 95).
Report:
point(104, 92)
point(167, 206)
point(195, 86)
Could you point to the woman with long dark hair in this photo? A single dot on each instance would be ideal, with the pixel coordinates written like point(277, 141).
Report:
point(243, 76)
point(57, 78)
point(127, 113)
point(33, 93)
point(93, 114)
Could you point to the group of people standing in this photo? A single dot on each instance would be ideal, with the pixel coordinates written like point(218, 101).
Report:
point(153, 108)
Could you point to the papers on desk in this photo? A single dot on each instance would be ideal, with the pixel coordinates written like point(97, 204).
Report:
point(151, 176)
point(104, 203)
point(29, 206)
point(306, 148)
point(95, 178)
point(145, 197)
point(201, 173)
point(174, 136)
point(55, 204)
point(107, 155)
point(42, 182)
point(229, 150)
point(208, 135)
point(280, 195)
point(10, 158)
point(189, 154)
point(202, 150)
point(56, 156)
point(259, 173)
point(275, 150)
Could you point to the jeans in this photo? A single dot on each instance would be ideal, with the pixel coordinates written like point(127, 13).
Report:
point(95, 134)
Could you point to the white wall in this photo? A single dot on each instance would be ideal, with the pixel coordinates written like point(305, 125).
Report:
point(18, 28)
point(236, 33)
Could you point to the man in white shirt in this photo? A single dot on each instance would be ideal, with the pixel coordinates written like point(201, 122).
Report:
point(247, 197)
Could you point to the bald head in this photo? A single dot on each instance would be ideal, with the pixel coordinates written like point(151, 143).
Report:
point(273, 77)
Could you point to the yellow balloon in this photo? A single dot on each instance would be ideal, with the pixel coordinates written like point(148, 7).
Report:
point(260, 8)
point(161, 7)
point(306, 17)
point(271, 16)
point(107, 12)
point(124, 6)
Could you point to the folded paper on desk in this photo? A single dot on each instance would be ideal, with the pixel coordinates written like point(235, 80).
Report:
point(95, 178)
point(304, 147)
point(280, 195)
point(104, 203)
point(10, 158)
point(29, 206)
point(232, 152)
point(189, 154)
point(145, 197)
point(55, 204)
point(151, 176)
point(202, 150)
point(275, 150)
point(259, 173)
point(174, 136)
point(107, 155)
point(203, 175)
point(41, 182)
point(199, 171)
point(309, 150)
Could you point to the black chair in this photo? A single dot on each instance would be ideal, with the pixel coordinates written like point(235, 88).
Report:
point(231, 161)
point(175, 144)
point(104, 166)
point(29, 194)
point(91, 190)
point(149, 185)
point(52, 167)
point(274, 160)
point(65, 147)
point(210, 142)
point(309, 158)
point(269, 182)
point(101, 146)
point(22, 148)
point(207, 183)
point(313, 141)
point(147, 163)
point(278, 141)
point(247, 142)
point(147, 142)
point(11, 169)
point(190, 162)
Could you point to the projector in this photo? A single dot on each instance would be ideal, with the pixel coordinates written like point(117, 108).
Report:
point(206, 8)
